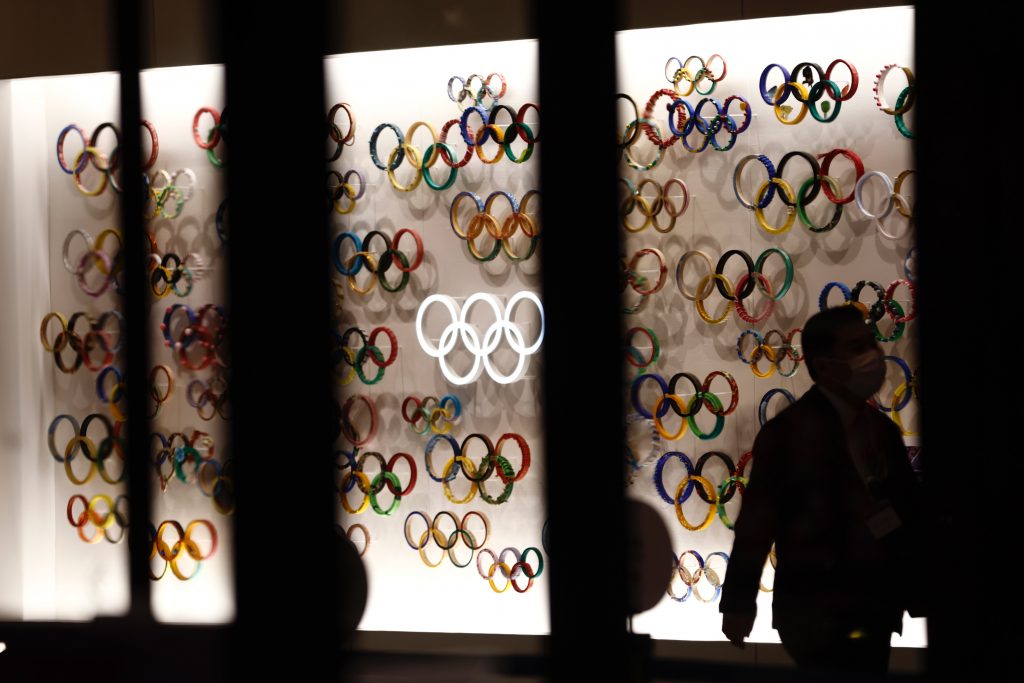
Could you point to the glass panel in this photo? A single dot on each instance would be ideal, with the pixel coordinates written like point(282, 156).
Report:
point(466, 229)
point(684, 210)
point(64, 556)
point(187, 216)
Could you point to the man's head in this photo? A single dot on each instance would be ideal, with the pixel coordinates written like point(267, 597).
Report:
point(841, 353)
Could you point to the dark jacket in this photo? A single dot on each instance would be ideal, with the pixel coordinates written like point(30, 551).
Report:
point(806, 496)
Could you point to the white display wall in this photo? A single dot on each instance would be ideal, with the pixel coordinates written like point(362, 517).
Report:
point(715, 222)
point(402, 87)
point(62, 577)
point(59, 576)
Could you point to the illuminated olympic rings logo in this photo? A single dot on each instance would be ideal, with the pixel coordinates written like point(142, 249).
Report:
point(460, 330)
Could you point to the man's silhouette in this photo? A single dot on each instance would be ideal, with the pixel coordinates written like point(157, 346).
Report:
point(832, 488)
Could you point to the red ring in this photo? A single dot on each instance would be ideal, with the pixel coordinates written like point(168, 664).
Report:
point(443, 137)
point(419, 249)
point(394, 346)
point(412, 474)
point(215, 138)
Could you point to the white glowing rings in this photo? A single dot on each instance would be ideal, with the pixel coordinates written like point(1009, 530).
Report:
point(460, 329)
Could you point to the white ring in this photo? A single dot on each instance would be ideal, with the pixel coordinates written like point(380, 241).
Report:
point(859, 189)
point(67, 244)
point(459, 329)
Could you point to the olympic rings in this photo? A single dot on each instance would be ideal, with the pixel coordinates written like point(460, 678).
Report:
point(217, 133)
point(172, 553)
point(500, 231)
point(356, 357)
point(459, 329)
point(377, 262)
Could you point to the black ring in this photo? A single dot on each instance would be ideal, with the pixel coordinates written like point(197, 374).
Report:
point(698, 388)
point(793, 77)
point(877, 309)
point(699, 467)
point(481, 475)
point(748, 288)
point(385, 261)
point(815, 168)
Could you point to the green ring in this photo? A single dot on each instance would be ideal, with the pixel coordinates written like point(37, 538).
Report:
point(802, 213)
point(452, 171)
point(836, 92)
point(470, 543)
point(405, 273)
point(697, 78)
point(488, 257)
point(897, 332)
point(188, 450)
point(210, 153)
point(721, 506)
point(388, 476)
point(540, 561)
point(716, 403)
point(527, 153)
point(529, 252)
point(508, 471)
point(789, 270)
point(361, 360)
point(901, 126)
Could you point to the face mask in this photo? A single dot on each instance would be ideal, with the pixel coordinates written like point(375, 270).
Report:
point(867, 373)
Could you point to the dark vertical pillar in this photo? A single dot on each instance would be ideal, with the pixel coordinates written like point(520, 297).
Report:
point(129, 36)
point(286, 562)
point(584, 320)
point(970, 246)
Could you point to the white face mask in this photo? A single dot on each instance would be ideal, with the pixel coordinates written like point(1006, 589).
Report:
point(867, 373)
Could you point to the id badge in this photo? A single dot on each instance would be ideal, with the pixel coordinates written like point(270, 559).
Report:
point(883, 520)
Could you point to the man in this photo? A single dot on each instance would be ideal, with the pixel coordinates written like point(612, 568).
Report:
point(832, 488)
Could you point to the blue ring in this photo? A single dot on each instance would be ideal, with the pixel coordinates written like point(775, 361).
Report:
point(739, 340)
point(100, 391)
point(351, 465)
point(823, 297)
point(405, 526)
point(634, 394)
point(762, 85)
point(464, 125)
point(456, 451)
point(659, 470)
point(451, 398)
point(373, 147)
point(688, 126)
point(762, 410)
point(906, 396)
point(338, 265)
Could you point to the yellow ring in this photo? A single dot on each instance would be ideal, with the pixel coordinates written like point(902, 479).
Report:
point(467, 464)
point(711, 506)
point(765, 351)
point(802, 89)
point(901, 390)
point(423, 545)
point(365, 481)
point(762, 192)
point(657, 419)
point(413, 155)
point(86, 441)
point(702, 312)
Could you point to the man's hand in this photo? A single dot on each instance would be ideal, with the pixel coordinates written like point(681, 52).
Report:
point(737, 626)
